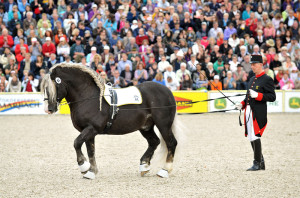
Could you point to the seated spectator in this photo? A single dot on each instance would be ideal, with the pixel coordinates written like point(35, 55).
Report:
point(159, 78)
point(229, 82)
point(52, 61)
point(117, 80)
point(77, 50)
point(95, 62)
point(234, 63)
point(141, 37)
point(288, 64)
point(172, 84)
point(210, 73)
point(123, 62)
point(182, 72)
point(48, 48)
point(219, 65)
point(163, 64)
point(128, 75)
point(26, 64)
point(297, 81)
point(200, 81)
point(37, 65)
point(240, 77)
point(11, 66)
point(286, 83)
point(187, 83)
point(140, 73)
point(216, 84)
point(105, 56)
point(29, 83)
point(35, 48)
point(14, 84)
point(4, 58)
point(5, 40)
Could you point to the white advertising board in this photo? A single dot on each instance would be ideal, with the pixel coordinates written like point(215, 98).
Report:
point(21, 103)
point(225, 104)
point(292, 101)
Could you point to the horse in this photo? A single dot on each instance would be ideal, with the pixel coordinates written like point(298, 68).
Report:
point(83, 89)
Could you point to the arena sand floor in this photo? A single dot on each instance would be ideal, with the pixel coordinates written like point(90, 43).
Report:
point(38, 160)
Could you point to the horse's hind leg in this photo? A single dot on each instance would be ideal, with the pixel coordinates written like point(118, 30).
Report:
point(153, 142)
point(171, 144)
point(84, 136)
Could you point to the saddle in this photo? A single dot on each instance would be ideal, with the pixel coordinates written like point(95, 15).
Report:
point(119, 97)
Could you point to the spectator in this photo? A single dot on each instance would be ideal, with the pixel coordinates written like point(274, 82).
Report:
point(159, 79)
point(140, 73)
point(187, 83)
point(5, 40)
point(117, 80)
point(14, 84)
point(29, 83)
point(240, 77)
point(286, 83)
point(216, 84)
point(48, 48)
point(182, 72)
point(123, 62)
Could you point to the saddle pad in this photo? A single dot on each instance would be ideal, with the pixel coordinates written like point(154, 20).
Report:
point(126, 96)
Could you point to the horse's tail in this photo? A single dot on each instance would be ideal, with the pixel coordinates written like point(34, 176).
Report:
point(178, 130)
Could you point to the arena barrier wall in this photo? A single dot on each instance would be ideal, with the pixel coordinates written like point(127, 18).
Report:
point(32, 103)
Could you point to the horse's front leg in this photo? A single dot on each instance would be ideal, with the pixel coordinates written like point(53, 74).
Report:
point(90, 146)
point(84, 166)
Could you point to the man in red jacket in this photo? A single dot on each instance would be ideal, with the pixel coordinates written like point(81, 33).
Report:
point(141, 37)
point(5, 40)
point(48, 48)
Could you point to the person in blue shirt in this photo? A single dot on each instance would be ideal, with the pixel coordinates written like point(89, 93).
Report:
point(247, 12)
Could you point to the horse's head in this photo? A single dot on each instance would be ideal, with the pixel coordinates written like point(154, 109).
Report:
point(54, 90)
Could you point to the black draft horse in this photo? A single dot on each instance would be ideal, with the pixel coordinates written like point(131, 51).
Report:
point(83, 89)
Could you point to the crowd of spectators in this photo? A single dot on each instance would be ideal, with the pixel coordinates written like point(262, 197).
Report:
point(184, 45)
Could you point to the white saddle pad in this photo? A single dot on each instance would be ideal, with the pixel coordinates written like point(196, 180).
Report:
point(126, 96)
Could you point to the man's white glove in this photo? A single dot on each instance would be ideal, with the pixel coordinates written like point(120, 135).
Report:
point(238, 106)
point(253, 94)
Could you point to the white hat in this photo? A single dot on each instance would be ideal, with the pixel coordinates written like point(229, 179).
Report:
point(144, 8)
point(217, 77)
point(121, 7)
point(62, 39)
point(94, 6)
point(134, 21)
point(48, 39)
point(106, 47)
point(33, 39)
point(180, 53)
point(93, 49)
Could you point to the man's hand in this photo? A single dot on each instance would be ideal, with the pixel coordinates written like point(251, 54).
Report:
point(238, 106)
point(253, 94)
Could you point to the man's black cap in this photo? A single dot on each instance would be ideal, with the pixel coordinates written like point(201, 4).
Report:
point(256, 59)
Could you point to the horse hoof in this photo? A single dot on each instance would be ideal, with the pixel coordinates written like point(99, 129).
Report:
point(144, 169)
point(84, 167)
point(163, 173)
point(89, 175)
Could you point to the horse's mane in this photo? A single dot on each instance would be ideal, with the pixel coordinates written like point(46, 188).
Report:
point(96, 77)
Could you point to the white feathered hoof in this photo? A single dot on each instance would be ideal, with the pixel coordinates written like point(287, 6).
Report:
point(84, 167)
point(144, 169)
point(89, 175)
point(163, 173)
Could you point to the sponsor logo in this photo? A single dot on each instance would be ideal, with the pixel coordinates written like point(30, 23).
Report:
point(19, 104)
point(182, 103)
point(220, 103)
point(294, 102)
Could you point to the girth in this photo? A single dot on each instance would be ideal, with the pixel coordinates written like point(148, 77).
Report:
point(113, 110)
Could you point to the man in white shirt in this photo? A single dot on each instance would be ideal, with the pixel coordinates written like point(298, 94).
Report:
point(163, 64)
point(163, 5)
point(182, 72)
point(213, 32)
point(192, 63)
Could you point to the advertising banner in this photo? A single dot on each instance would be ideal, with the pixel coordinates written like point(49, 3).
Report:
point(21, 103)
point(225, 104)
point(182, 99)
point(292, 101)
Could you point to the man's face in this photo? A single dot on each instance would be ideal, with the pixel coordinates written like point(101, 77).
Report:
point(256, 67)
point(116, 74)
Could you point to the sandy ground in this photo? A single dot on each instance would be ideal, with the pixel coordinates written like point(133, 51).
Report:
point(37, 159)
